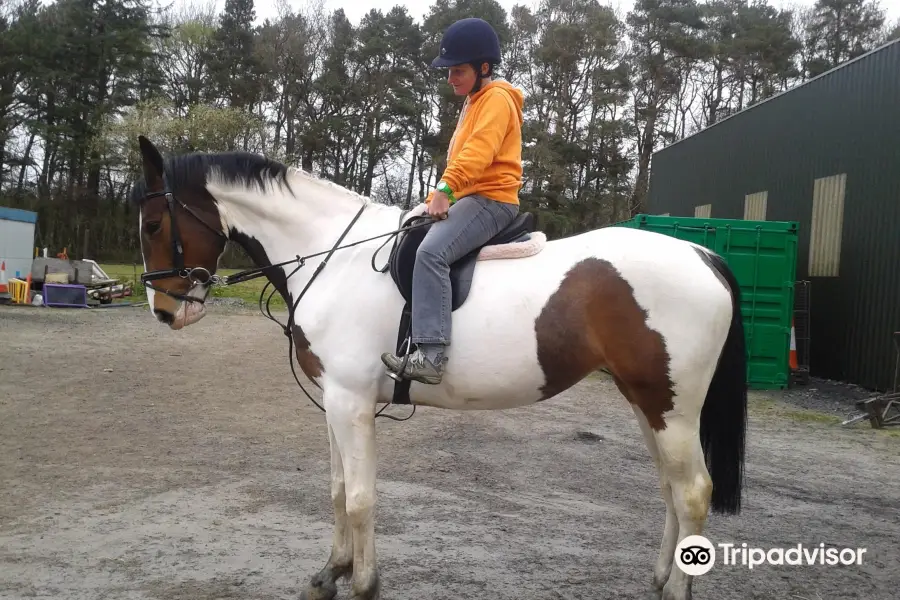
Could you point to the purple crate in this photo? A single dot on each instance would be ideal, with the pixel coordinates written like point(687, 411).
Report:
point(65, 294)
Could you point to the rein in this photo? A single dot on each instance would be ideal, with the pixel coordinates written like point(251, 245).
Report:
point(201, 275)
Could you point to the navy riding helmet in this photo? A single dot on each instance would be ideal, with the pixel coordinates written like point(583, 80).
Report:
point(471, 41)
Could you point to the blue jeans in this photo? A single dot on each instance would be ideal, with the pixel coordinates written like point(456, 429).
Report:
point(471, 222)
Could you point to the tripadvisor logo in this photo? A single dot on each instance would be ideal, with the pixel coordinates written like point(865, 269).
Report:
point(696, 555)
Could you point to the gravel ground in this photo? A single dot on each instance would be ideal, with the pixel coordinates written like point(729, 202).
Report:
point(831, 397)
point(138, 463)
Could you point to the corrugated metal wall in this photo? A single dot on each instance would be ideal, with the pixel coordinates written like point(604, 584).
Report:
point(835, 140)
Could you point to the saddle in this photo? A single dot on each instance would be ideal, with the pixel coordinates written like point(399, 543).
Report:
point(403, 256)
point(403, 259)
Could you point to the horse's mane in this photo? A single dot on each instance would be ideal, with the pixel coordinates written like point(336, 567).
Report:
point(188, 171)
point(330, 185)
point(235, 168)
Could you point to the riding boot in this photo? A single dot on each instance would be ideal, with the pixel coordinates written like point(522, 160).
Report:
point(425, 365)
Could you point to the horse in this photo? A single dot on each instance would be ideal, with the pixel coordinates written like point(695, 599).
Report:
point(661, 315)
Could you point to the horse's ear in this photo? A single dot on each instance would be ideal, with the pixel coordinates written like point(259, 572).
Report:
point(152, 161)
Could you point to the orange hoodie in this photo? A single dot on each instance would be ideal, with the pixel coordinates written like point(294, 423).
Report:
point(485, 155)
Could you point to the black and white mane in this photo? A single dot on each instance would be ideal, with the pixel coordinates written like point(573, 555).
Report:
point(191, 172)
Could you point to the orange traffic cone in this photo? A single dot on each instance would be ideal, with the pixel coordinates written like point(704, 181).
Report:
point(3, 280)
point(795, 365)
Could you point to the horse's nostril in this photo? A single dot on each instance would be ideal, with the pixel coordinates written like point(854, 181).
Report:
point(165, 316)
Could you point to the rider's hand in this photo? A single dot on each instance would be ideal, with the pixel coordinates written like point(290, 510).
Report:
point(439, 205)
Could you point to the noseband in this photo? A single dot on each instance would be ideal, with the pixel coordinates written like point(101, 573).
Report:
point(197, 275)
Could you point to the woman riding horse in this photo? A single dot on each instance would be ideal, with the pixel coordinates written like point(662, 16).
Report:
point(477, 196)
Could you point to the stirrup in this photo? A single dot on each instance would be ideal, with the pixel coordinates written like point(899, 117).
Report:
point(397, 376)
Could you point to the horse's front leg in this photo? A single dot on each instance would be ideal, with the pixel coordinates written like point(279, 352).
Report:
point(351, 417)
point(323, 584)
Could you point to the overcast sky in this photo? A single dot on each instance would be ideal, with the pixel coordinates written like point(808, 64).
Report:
point(355, 9)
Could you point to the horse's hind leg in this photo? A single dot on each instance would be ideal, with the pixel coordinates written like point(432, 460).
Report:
point(672, 432)
point(670, 533)
point(685, 470)
point(323, 586)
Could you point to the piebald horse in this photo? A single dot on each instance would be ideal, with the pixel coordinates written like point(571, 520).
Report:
point(659, 314)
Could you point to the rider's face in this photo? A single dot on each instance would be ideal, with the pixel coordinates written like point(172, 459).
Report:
point(462, 79)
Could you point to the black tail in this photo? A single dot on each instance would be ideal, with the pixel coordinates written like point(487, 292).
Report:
point(723, 419)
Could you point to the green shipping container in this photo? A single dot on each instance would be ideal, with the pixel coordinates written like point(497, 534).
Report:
point(763, 256)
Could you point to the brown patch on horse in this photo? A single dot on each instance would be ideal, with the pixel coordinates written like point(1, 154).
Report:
point(594, 321)
point(310, 364)
point(200, 246)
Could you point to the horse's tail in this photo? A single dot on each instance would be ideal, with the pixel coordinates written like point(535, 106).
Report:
point(723, 419)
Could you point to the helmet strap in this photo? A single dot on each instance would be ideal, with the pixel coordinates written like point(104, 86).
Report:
point(479, 77)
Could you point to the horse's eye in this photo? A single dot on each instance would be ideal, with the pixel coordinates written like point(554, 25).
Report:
point(152, 227)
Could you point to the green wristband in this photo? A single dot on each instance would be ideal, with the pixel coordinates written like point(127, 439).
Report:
point(445, 188)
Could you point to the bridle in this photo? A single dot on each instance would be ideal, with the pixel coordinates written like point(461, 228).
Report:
point(202, 276)
point(197, 275)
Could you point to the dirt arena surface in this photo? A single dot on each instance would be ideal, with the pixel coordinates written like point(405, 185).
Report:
point(139, 463)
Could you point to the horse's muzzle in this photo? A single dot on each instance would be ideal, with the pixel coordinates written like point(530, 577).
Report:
point(188, 314)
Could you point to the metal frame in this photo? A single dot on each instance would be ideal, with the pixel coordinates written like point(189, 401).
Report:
point(800, 376)
point(882, 411)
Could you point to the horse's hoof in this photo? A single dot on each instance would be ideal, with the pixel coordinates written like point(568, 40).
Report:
point(319, 589)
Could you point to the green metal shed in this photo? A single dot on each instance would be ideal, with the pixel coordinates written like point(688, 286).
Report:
point(763, 256)
point(825, 154)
